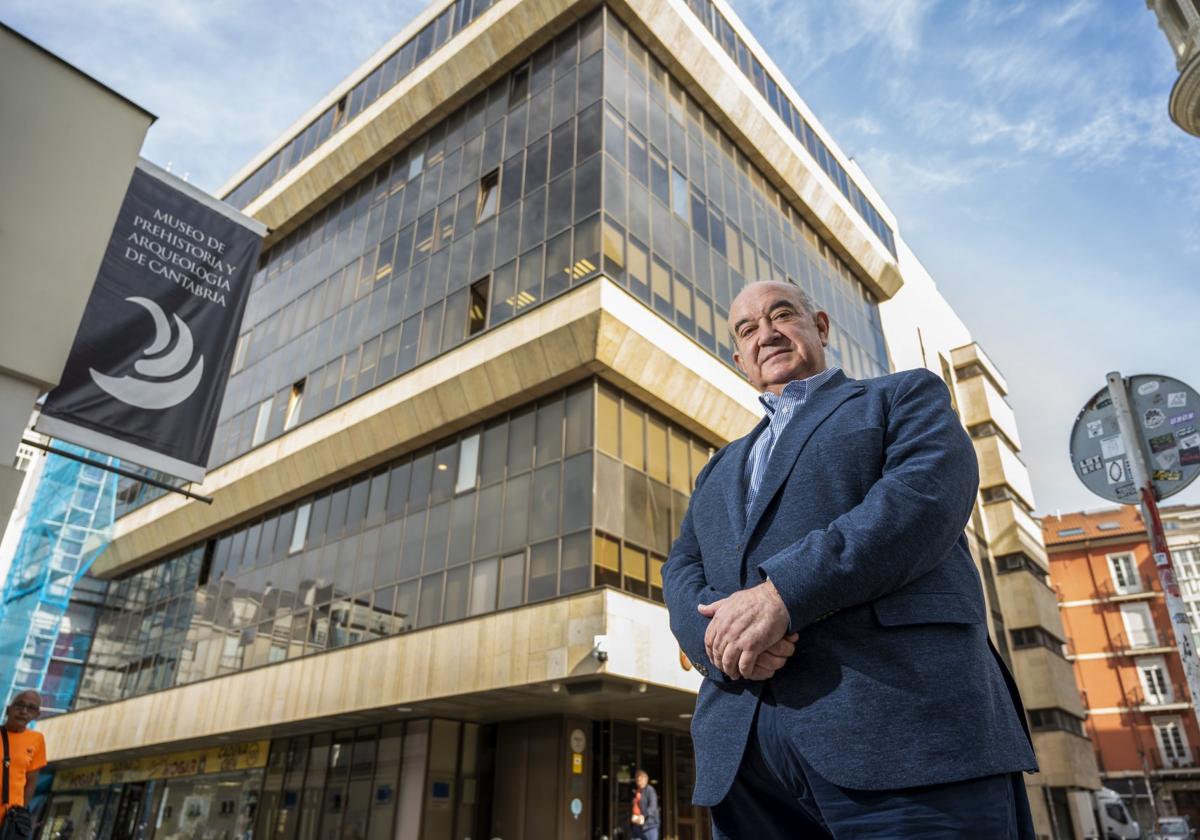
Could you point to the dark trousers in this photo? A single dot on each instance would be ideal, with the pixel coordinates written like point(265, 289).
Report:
point(777, 794)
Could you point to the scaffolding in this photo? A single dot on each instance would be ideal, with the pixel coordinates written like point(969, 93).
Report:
point(46, 615)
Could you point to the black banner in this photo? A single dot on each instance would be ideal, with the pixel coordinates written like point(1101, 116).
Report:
point(148, 369)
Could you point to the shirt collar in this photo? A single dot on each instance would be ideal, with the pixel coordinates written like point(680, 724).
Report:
point(797, 389)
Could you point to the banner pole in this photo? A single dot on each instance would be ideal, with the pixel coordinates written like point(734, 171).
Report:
point(91, 462)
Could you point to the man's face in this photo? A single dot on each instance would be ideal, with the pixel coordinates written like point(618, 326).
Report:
point(642, 779)
point(777, 340)
point(24, 709)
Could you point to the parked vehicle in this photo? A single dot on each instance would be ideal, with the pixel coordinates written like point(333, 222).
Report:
point(1112, 817)
point(1173, 828)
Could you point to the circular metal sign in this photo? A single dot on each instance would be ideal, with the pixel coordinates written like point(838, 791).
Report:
point(1164, 414)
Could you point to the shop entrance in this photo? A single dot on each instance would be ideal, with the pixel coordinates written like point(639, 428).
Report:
point(129, 817)
point(623, 748)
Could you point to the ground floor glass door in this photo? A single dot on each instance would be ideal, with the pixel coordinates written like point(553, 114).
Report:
point(667, 757)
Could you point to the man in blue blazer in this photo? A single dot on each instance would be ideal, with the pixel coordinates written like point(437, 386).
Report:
point(822, 585)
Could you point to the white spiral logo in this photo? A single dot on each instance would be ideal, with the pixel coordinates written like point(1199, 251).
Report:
point(162, 392)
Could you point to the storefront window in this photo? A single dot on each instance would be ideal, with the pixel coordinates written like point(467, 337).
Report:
point(218, 807)
point(78, 815)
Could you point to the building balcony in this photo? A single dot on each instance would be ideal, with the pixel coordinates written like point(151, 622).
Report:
point(1028, 602)
point(970, 360)
point(1107, 593)
point(1122, 645)
point(1011, 530)
point(999, 465)
point(1047, 680)
point(980, 402)
point(1065, 760)
point(1181, 762)
point(1177, 700)
point(1185, 95)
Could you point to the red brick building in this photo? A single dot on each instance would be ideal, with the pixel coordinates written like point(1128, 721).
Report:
point(1140, 716)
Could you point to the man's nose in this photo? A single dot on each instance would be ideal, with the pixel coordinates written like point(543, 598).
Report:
point(766, 331)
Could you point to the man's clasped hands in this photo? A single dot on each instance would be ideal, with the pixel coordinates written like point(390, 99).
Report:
point(747, 636)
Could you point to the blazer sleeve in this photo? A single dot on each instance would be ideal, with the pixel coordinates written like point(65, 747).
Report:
point(685, 587)
point(653, 816)
point(906, 524)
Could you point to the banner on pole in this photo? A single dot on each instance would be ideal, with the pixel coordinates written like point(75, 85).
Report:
point(147, 372)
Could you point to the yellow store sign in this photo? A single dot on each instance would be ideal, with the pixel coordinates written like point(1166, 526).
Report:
point(223, 759)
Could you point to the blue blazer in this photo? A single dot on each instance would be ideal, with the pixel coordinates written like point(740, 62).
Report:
point(859, 524)
point(648, 806)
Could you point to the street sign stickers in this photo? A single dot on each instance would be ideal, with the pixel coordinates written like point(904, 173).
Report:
point(1164, 412)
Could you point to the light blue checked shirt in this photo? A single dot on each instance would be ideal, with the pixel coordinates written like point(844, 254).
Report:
point(781, 409)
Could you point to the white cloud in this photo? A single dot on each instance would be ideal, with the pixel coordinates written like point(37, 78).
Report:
point(865, 124)
point(814, 33)
point(1072, 13)
point(895, 173)
point(225, 78)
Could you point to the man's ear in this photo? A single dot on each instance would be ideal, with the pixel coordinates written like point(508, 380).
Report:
point(821, 320)
point(737, 360)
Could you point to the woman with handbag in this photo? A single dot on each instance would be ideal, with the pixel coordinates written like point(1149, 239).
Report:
point(24, 755)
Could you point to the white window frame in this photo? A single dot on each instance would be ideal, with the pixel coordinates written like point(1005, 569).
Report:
point(468, 463)
point(1186, 562)
point(1172, 741)
point(1155, 679)
point(295, 405)
point(300, 528)
point(263, 422)
point(1122, 570)
point(1139, 637)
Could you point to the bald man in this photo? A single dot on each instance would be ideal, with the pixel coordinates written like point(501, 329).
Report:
point(24, 751)
point(822, 585)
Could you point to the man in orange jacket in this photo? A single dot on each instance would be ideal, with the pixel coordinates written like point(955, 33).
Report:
point(26, 750)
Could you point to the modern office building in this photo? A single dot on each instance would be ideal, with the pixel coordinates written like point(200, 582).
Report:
point(483, 360)
point(1140, 714)
point(1180, 22)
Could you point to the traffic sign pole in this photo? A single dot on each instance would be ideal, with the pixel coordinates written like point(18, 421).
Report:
point(1141, 476)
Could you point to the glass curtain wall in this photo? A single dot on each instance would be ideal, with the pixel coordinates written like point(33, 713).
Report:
point(388, 276)
point(496, 209)
point(460, 231)
point(142, 626)
point(688, 220)
point(585, 487)
point(405, 780)
point(733, 45)
point(391, 71)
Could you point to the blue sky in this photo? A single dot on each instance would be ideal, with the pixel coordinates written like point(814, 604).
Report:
point(1025, 148)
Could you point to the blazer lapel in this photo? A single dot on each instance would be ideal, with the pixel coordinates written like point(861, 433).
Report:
point(732, 478)
point(791, 442)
